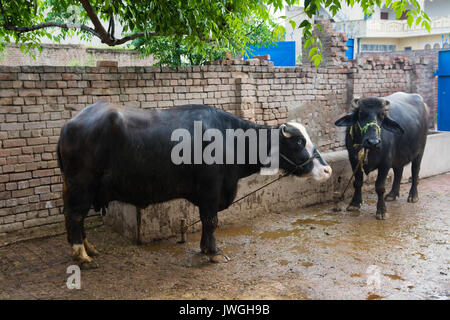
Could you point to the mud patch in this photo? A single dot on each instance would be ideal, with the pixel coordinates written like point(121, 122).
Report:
point(393, 276)
point(374, 297)
point(302, 222)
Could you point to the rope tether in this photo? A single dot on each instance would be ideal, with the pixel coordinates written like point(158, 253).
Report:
point(316, 154)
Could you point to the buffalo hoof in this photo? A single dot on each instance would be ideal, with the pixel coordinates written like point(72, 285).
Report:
point(413, 199)
point(88, 265)
point(381, 216)
point(81, 258)
point(90, 249)
point(218, 258)
point(353, 207)
point(390, 197)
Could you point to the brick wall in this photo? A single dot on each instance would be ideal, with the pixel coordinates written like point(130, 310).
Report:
point(71, 55)
point(375, 76)
point(423, 64)
point(35, 102)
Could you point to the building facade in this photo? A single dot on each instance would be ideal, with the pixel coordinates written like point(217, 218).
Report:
point(382, 31)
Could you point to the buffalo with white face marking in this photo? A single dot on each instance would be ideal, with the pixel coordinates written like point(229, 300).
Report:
point(109, 153)
point(393, 130)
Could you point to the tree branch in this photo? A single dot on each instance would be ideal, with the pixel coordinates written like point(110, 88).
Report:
point(99, 31)
point(111, 26)
point(50, 24)
point(104, 36)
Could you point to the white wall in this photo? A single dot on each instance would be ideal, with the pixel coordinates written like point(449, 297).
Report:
point(437, 8)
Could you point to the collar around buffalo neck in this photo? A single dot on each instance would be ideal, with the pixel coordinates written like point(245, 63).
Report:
point(366, 127)
point(363, 130)
point(315, 155)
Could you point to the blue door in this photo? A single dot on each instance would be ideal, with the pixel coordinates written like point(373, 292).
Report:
point(350, 49)
point(443, 72)
point(282, 53)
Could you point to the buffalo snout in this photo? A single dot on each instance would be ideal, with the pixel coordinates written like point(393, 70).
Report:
point(371, 143)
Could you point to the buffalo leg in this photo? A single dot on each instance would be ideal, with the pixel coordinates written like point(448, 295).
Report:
point(415, 168)
point(209, 219)
point(395, 191)
point(75, 210)
point(90, 249)
point(380, 189)
point(355, 204)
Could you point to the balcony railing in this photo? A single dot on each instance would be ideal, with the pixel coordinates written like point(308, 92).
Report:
point(390, 28)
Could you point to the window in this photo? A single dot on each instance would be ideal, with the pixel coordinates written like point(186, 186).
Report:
point(436, 46)
point(384, 15)
point(378, 47)
point(408, 48)
point(427, 46)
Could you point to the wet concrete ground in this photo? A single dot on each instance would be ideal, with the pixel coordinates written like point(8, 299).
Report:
point(311, 253)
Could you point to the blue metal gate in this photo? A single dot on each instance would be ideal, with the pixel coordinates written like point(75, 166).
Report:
point(282, 53)
point(443, 73)
point(350, 49)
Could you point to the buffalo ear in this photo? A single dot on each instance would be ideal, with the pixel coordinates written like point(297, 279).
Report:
point(392, 126)
point(355, 103)
point(284, 130)
point(346, 121)
point(386, 105)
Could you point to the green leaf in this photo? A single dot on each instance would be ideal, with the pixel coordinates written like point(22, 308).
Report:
point(293, 24)
point(312, 51)
point(418, 20)
point(410, 20)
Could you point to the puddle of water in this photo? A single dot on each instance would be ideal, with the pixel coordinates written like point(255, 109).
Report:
point(354, 213)
point(300, 248)
point(283, 262)
point(231, 250)
point(279, 233)
point(372, 296)
point(199, 261)
point(421, 255)
point(300, 222)
point(306, 264)
point(394, 276)
point(234, 231)
point(173, 249)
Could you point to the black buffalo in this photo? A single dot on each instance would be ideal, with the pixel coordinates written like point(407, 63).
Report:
point(111, 153)
point(394, 131)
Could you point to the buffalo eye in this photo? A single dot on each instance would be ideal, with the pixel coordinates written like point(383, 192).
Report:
point(302, 141)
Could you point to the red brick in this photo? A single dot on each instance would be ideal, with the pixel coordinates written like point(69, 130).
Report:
point(107, 63)
point(73, 92)
point(36, 141)
point(14, 143)
point(8, 93)
point(42, 189)
point(43, 173)
point(19, 176)
point(30, 92)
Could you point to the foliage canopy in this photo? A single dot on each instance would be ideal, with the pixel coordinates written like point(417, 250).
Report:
point(203, 28)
